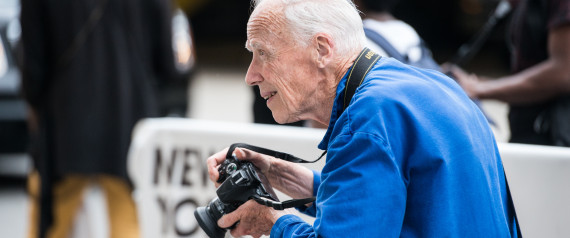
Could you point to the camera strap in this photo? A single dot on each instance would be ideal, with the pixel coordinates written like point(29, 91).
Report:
point(276, 154)
point(363, 63)
point(283, 205)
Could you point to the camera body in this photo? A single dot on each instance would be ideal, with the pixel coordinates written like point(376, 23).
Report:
point(240, 181)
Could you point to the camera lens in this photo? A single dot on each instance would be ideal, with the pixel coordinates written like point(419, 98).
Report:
point(208, 217)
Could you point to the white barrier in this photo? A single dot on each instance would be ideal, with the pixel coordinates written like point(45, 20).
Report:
point(539, 178)
point(167, 166)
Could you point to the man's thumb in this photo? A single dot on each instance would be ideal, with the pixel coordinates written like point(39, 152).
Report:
point(227, 220)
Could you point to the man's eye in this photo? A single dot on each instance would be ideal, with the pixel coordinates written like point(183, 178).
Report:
point(261, 52)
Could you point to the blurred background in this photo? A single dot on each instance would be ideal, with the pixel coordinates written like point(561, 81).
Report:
point(208, 40)
point(219, 26)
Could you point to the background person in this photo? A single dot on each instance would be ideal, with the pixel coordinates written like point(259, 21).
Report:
point(89, 73)
point(391, 37)
point(410, 155)
point(538, 90)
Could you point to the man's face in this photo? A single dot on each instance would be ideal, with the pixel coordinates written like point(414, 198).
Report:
point(285, 72)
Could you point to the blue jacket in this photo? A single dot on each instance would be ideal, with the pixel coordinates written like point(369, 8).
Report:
point(411, 156)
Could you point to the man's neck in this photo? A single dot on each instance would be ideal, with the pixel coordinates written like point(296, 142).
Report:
point(343, 65)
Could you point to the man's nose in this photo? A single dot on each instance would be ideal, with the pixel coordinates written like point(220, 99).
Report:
point(253, 75)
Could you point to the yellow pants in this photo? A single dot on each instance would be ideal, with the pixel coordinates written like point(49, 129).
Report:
point(68, 197)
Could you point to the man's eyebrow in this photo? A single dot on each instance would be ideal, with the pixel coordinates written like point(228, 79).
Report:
point(247, 45)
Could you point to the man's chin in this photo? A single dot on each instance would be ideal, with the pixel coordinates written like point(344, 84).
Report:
point(286, 121)
point(284, 116)
point(281, 119)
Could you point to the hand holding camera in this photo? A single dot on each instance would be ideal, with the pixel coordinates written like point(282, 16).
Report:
point(239, 181)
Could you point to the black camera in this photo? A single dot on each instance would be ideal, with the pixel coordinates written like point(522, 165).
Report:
point(240, 182)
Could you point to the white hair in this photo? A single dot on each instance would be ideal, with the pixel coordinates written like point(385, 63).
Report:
point(338, 18)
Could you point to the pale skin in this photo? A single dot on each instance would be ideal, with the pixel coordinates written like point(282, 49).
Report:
point(299, 83)
point(538, 83)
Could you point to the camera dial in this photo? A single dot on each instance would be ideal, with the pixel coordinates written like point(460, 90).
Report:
point(231, 168)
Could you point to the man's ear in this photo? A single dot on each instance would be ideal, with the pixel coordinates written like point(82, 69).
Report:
point(324, 46)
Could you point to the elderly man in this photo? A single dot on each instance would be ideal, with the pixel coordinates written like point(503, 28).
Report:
point(409, 155)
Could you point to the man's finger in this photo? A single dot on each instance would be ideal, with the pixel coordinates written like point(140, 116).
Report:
point(213, 162)
point(249, 155)
point(228, 220)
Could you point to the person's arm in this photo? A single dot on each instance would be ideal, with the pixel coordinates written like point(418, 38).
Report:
point(541, 82)
point(361, 193)
point(292, 179)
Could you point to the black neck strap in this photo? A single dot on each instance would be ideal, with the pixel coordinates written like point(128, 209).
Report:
point(283, 205)
point(363, 63)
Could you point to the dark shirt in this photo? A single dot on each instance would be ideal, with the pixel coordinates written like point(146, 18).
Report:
point(90, 68)
point(528, 37)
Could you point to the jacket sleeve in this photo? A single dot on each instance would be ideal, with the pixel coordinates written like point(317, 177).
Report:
point(312, 210)
point(362, 193)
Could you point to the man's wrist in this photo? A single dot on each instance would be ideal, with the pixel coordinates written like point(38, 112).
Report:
point(277, 214)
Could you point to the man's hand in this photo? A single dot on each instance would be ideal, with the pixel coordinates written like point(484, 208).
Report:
point(213, 163)
point(292, 179)
point(261, 161)
point(252, 219)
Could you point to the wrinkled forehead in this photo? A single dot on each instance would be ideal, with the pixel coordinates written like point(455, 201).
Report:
point(266, 21)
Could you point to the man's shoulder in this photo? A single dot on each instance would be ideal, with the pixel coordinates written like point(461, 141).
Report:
point(391, 81)
point(395, 90)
